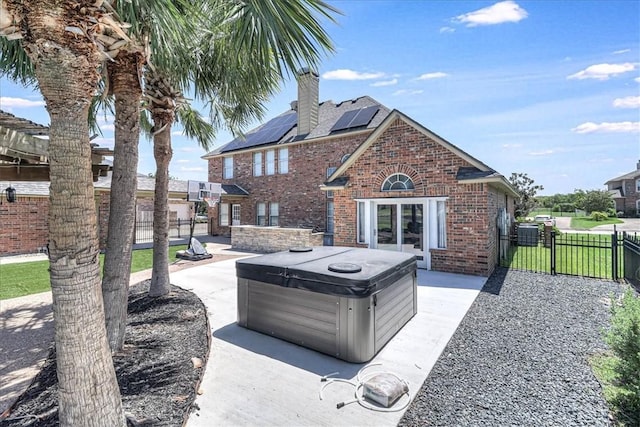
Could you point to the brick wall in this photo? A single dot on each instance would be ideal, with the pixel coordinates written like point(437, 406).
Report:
point(301, 202)
point(24, 225)
point(470, 208)
point(272, 239)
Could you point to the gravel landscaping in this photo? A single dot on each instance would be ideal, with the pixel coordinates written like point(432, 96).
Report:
point(520, 356)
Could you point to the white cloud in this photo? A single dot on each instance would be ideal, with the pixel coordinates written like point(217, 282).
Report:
point(627, 102)
point(187, 149)
point(385, 83)
point(499, 13)
point(602, 71)
point(107, 126)
point(177, 133)
point(511, 145)
point(344, 74)
point(183, 161)
point(407, 92)
point(429, 76)
point(606, 127)
point(618, 52)
point(447, 30)
point(194, 169)
point(637, 80)
point(541, 153)
point(8, 102)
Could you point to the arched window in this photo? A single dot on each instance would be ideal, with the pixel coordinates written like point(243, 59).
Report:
point(345, 157)
point(397, 182)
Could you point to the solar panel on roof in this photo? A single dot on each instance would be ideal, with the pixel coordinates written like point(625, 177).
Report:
point(355, 118)
point(271, 131)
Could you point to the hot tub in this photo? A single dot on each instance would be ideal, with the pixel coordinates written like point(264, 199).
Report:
point(345, 302)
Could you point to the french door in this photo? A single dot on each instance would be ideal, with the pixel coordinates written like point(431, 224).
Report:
point(400, 227)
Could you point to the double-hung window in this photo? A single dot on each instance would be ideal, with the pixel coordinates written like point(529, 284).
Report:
point(227, 167)
point(270, 165)
point(274, 214)
point(261, 218)
point(257, 163)
point(224, 214)
point(330, 216)
point(283, 160)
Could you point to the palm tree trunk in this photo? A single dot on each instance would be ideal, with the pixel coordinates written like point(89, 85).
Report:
point(88, 393)
point(122, 208)
point(160, 284)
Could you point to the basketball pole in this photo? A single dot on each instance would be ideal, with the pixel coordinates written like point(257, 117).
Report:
point(192, 224)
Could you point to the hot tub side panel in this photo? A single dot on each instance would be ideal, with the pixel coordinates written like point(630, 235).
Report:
point(394, 307)
point(304, 318)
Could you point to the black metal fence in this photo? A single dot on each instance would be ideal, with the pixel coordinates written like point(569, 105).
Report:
point(178, 229)
point(606, 256)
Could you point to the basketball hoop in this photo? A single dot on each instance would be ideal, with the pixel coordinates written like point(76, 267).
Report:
point(211, 201)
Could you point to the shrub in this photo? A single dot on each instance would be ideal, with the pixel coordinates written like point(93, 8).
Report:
point(599, 216)
point(611, 213)
point(624, 339)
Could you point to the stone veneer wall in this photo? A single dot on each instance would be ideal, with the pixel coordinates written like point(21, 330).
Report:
point(272, 239)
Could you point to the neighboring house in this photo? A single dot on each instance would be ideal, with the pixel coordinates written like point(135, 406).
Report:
point(625, 191)
point(367, 177)
point(25, 223)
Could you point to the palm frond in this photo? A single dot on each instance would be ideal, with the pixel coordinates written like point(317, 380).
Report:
point(195, 126)
point(15, 64)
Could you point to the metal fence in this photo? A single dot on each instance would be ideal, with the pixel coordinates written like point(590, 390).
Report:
point(178, 229)
point(605, 256)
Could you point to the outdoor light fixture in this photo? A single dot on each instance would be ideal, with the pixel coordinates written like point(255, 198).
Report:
point(11, 194)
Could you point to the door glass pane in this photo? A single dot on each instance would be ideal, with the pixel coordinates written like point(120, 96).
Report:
point(387, 227)
point(412, 231)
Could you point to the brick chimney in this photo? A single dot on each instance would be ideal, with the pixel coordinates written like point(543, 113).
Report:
point(308, 83)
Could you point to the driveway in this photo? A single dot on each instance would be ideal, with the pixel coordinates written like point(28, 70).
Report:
point(630, 225)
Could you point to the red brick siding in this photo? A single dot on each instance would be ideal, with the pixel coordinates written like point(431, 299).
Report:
point(433, 168)
point(297, 192)
point(25, 225)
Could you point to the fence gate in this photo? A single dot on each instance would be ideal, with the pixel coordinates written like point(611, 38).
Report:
point(631, 259)
point(531, 248)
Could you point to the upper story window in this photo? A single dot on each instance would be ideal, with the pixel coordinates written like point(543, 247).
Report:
point(397, 182)
point(637, 185)
point(283, 160)
point(227, 167)
point(257, 163)
point(344, 158)
point(270, 164)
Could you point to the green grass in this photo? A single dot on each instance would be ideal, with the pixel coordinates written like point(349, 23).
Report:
point(28, 278)
point(604, 368)
point(578, 254)
point(586, 223)
point(553, 214)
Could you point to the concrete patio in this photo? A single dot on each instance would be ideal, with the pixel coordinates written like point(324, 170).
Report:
point(254, 379)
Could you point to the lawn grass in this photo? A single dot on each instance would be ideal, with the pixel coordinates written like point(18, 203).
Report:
point(553, 214)
point(603, 367)
point(578, 254)
point(586, 223)
point(32, 277)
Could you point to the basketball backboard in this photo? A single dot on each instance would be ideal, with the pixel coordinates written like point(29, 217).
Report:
point(200, 191)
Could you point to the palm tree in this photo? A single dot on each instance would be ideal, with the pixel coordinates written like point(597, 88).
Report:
point(235, 66)
point(59, 38)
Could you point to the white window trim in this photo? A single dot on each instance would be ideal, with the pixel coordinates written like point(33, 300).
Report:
point(270, 164)
point(235, 214)
point(281, 163)
point(271, 215)
point(396, 189)
point(257, 163)
point(264, 213)
point(227, 172)
point(224, 214)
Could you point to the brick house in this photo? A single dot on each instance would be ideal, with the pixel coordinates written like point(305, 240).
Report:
point(25, 223)
point(625, 191)
point(367, 177)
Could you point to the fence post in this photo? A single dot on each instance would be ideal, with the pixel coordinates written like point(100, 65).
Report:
point(614, 253)
point(553, 252)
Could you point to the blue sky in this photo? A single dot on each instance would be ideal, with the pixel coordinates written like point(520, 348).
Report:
point(548, 88)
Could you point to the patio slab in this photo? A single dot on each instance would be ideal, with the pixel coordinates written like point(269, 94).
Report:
point(254, 379)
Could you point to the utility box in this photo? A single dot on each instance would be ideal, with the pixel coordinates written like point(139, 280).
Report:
point(345, 302)
point(528, 234)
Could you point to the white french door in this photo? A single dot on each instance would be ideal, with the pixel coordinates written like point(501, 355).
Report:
point(399, 225)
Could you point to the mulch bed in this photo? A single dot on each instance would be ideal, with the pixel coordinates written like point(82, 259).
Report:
point(157, 372)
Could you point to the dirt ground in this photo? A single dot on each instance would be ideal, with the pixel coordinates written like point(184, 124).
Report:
point(159, 372)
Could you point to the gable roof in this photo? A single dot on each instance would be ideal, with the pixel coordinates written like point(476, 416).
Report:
point(283, 129)
point(631, 175)
point(478, 172)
